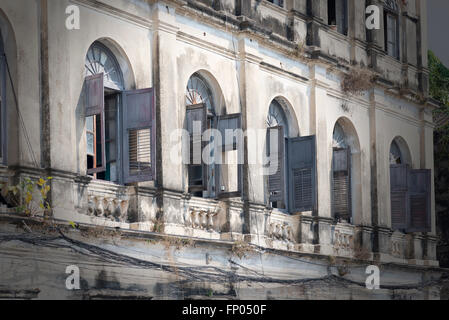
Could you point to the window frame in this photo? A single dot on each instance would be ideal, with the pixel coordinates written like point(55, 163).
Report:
point(3, 105)
point(391, 13)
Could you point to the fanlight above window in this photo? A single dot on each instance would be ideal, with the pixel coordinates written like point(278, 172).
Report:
point(395, 154)
point(391, 5)
point(276, 117)
point(100, 59)
point(339, 138)
point(198, 92)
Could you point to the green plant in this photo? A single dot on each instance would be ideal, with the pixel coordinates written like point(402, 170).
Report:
point(28, 196)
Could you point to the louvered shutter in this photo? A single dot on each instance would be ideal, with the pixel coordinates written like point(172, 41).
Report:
point(341, 12)
point(231, 140)
point(196, 114)
point(399, 196)
point(341, 187)
point(419, 187)
point(94, 106)
point(139, 136)
point(275, 148)
point(3, 124)
point(302, 174)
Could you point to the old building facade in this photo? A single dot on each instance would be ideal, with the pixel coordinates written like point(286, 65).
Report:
point(99, 108)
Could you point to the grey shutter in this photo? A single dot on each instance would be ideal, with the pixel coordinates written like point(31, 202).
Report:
point(224, 125)
point(230, 142)
point(3, 113)
point(399, 196)
point(197, 171)
point(302, 174)
point(341, 187)
point(341, 12)
point(139, 136)
point(419, 187)
point(276, 181)
point(94, 106)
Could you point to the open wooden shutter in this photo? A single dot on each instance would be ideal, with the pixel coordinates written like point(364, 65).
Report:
point(341, 187)
point(341, 12)
point(419, 187)
point(197, 171)
point(399, 196)
point(275, 148)
point(94, 107)
point(139, 136)
point(226, 125)
point(301, 174)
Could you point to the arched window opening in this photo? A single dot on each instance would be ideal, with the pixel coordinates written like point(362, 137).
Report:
point(337, 13)
point(292, 165)
point(3, 136)
point(215, 144)
point(341, 178)
point(120, 125)
point(410, 191)
point(391, 28)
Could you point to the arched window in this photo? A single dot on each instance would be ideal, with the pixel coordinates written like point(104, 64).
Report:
point(410, 191)
point(211, 175)
point(337, 13)
point(291, 164)
point(341, 179)
point(391, 28)
point(276, 152)
point(3, 139)
point(120, 125)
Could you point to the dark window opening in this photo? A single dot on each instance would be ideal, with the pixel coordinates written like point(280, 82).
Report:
point(337, 13)
point(280, 3)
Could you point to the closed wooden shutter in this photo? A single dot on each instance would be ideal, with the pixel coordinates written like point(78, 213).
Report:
point(399, 196)
point(196, 118)
point(341, 11)
point(275, 148)
point(301, 174)
point(341, 187)
point(139, 129)
point(419, 188)
point(94, 107)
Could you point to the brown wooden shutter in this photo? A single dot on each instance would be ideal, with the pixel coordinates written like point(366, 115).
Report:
point(399, 196)
point(302, 174)
point(341, 187)
point(94, 106)
point(196, 168)
point(419, 188)
point(139, 136)
point(276, 185)
point(225, 124)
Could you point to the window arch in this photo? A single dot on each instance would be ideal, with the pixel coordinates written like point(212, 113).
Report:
point(346, 172)
point(291, 166)
point(211, 174)
point(119, 125)
point(391, 28)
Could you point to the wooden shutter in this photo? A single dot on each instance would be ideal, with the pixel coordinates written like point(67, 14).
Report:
point(226, 125)
point(419, 188)
point(301, 174)
point(276, 184)
point(197, 171)
point(3, 113)
point(341, 187)
point(139, 136)
point(341, 11)
point(399, 196)
point(94, 107)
